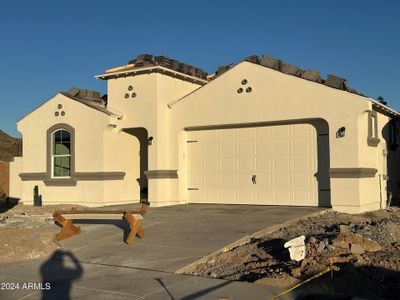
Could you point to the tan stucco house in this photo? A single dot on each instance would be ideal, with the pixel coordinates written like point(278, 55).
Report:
point(259, 132)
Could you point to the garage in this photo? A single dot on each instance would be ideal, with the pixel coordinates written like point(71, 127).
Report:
point(265, 165)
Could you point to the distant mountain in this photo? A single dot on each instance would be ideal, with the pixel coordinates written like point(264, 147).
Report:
point(9, 147)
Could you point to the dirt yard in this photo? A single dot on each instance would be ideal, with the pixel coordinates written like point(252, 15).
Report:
point(366, 248)
point(27, 232)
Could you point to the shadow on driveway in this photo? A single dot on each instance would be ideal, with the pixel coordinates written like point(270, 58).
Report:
point(58, 274)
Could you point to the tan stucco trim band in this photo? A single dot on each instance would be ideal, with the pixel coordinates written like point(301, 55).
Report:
point(99, 175)
point(352, 172)
point(156, 174)
point(32, 176)
point(76, 176)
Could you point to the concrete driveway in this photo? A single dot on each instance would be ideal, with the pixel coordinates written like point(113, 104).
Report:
point(97, 264)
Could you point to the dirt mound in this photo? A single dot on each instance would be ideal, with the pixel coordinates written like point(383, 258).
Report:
point(9, 147)
point(28, 232)
point(366, 248)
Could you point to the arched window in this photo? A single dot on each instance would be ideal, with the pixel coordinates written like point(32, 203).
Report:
point(61, 153)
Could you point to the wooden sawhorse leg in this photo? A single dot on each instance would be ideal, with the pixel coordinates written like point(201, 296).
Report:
point(68, 229)
point(136, 226)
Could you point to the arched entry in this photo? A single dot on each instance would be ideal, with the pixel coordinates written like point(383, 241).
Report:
point(142, 135)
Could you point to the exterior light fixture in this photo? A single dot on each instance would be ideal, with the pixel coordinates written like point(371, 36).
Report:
point(150, 140)
point(341, 132)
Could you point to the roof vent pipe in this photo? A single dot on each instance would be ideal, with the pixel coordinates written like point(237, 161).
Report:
point(381, 100)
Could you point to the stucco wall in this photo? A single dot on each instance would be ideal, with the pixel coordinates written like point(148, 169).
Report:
point(149, 110)
point(121, 153)
point(15, 180)
point(275, 97)
point(92, 132)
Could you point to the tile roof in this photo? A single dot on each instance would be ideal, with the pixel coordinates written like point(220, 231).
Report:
point(89, 98)
point(148, 60)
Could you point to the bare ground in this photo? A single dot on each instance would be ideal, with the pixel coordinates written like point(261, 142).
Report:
point(366, 247)
point(28, 232)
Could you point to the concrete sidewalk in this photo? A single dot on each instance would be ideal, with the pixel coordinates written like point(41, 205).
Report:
point(107, 268)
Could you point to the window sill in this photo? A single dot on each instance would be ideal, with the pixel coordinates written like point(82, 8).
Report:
point(59, 182)
point(373, 142)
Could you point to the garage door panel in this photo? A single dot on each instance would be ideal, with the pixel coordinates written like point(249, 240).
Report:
point(282, 197)
point(283, 158)
point(302, 163)
point(212, 182)
point(229, 197)
point(228, 165)
point(245, 181)
point(245, 148)
point(282, 147)
point(245, 134)
point(301, 181)
point(263, 148)
point(246, 196)
point(211, 196)
point(265, 197)
point(263, 133)
point(304, 198)
point(211, 136)
point(195, 164)
point(281, 131)
point(197, 196)
point(263, 164)
point(245, 164)
point(282, 181)
point(227, 135)
point(211, 165)
point(228, 149)
point(229, 181)
point(211, 150)
point(265, 181)
point(196, 180)
point(195, 150)
point(301, 146)
point(282, 164)
point(303, 130)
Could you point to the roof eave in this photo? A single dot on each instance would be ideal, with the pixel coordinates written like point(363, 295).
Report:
point(102, 110)
point(106, 76)
point(384, 109)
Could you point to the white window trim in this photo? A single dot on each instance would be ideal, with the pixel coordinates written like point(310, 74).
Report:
point(373, 126)
point(59, 155)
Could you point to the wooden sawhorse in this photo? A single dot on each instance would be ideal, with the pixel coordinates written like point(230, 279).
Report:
point(65, 218)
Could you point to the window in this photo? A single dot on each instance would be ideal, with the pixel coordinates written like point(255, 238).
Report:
point(373, 126)
point(373, 139)
point(61, 153)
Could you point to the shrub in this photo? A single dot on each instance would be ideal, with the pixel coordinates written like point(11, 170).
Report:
point(3, 196)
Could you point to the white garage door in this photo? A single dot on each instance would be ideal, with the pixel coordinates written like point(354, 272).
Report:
point(274, 165)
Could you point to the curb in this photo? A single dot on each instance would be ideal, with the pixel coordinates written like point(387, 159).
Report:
point(244, 240)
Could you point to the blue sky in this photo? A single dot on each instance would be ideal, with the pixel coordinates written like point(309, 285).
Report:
point(49, 46)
